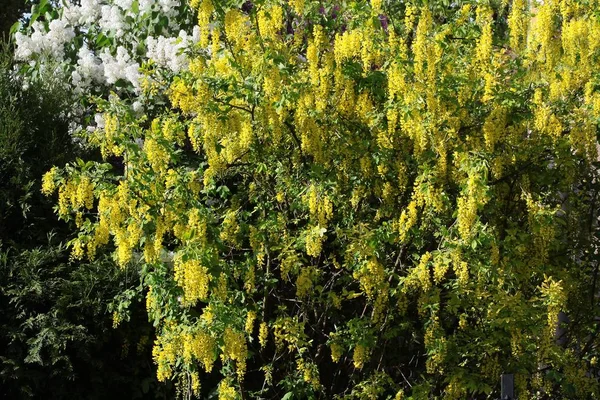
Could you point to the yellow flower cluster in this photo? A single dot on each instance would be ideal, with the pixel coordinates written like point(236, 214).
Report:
point(258, 246)
point(419, 278)
point(230, 227)
point(543, 230)
point(408, 218)
point(270, 22)
point(396, 81)
point(494, 128)
point(157, 155)
point(461, 270)
point(165, 353)
point(263, 334)
point(360, 356)
point(484, 44)
point(436, 345)
point(250, 318)
point(555, 298)
point(347, 45)
point(474, 196)
point(376, 6)
point(227, 391)
point(421, 46)
point(194, 279)
point(195, 383)
point(236, 26)
point(309, 372)
point(182, 97)
point(304, 282)
point(202, 347)
point(196, 227)
point(77, 250)
point(542, 32)
point(410, 16)
point(467, 214)
point(271, 81)
point(440, 267)
point(107, 140)
point(518, 22)
point(75, 194)
point(315, 236)
point(221, 290)
point(455, 390)
point(235, 349)
point(48, 181)
point(312, 56)
point(205, 10)
point(151, 301)
point(319, 205)
point(85, 193)
point(371, 277)
point(297, 6)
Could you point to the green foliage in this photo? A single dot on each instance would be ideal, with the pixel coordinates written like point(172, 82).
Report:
point(56, 329)
point(34, 135)
point(57, 337)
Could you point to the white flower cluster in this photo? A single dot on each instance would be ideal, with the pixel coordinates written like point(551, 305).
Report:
point(113, 20)
point(170, 52)
point(86, 13)
point(124, 4)
point(51, 42)
point(89, 70)
point(120, 66)
point(96, 66)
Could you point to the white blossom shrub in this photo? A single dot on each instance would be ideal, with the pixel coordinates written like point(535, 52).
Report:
point(100, 47)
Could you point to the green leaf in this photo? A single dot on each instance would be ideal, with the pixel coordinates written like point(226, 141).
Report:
point(15, 27)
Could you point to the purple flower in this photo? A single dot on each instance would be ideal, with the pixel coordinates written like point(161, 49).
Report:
point(383, 19)
point(247, 6)
point(334, 11)
point(334, 14)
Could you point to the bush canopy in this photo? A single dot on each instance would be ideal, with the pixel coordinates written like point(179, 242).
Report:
point(354, 199)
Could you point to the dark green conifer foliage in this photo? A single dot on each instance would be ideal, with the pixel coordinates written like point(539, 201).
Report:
point(56, 331)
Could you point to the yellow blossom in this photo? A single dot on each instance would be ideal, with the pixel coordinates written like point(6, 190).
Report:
point(263, 333)
point(194, 278)
point(361, 355)
point(251, 317)
point(235, 349)
point(48, 181)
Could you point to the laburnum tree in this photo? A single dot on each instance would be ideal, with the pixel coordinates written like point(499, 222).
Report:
point(361, 199)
